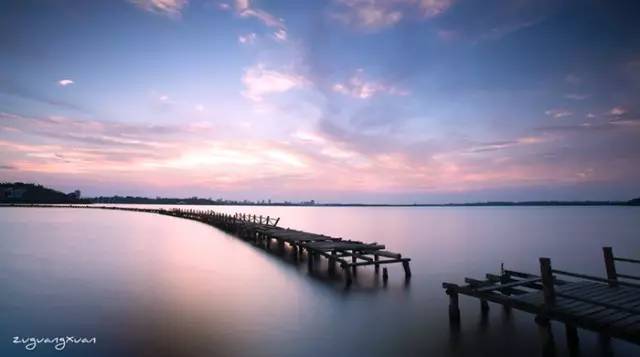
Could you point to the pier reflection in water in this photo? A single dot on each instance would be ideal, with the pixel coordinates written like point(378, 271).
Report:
point(155, 285)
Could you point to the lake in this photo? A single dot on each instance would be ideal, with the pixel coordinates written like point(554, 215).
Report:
point(152, 285)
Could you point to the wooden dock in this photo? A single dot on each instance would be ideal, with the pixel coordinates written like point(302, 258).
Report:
point(264, 230)
point(609, 306)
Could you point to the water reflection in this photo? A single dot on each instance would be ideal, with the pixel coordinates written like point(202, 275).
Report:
point(161, 286)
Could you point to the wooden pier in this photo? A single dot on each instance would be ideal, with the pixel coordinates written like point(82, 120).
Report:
point(609, 306)
point(264, 230)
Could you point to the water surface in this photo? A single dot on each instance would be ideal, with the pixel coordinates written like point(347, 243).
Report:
point(146, 284)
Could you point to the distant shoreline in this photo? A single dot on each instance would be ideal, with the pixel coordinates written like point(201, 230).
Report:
point(19, 193)
point(474, 204)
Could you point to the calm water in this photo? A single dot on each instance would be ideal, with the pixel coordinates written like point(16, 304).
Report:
point(145, 284)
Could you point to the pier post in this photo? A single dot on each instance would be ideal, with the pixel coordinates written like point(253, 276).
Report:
point(377, 266)
point(347, 274)
point(310, 261)
point(407, 269)
point(332, 263)
point(484, 306)
point(547, 282)
point(353, 260)
point(385, 275)
point(610, 265)
point(572, 336)
point(546, 336)
point(454, 309)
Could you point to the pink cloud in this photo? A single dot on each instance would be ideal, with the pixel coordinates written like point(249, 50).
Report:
point(260, 81)
point(170, 8)
point(378, 14)
point(247, 39)
point(558, 113)
point(617, 111)
point(244, 8)
point(358, 86)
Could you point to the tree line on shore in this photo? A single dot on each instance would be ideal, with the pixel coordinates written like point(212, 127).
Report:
point(29, 193)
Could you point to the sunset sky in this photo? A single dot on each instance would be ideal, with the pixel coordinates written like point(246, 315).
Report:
point(395, 101)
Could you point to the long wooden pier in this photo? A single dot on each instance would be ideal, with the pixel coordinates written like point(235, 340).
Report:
point(609, 306)
point(264, 230)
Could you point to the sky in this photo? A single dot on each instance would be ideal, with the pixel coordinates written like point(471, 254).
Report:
point(375, 101)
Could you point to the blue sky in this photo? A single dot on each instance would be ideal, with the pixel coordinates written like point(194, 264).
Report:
point(337, 100)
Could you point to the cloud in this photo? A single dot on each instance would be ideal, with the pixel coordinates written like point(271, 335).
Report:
point(500, 145)
point(378, 14)
point(17, 89)
point(245, 9)
point(247, 39)
point(65, 82)
point(617, 111)
point(359, 87)
point(280, 35)
point(558, 113)
point(493, 20)
point(573, 79)
point(620, 116)
point(259, 81)
point(576, 96)
point(170, 8)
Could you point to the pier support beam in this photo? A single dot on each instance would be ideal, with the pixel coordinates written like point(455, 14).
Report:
point(573, 342)
point(610, 266)
point(332, 263)
point(407, 269)
point(347, 275)
point(546, 336)
point(454, 309)
point(546, 273)
point(484, 306)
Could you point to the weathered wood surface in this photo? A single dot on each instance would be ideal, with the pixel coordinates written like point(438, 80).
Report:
point(610, 306)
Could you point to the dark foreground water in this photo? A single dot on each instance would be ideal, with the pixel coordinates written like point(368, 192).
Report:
point(151, 285)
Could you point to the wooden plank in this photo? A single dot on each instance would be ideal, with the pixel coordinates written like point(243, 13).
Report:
point(508, 285)
point(380, 262)
point(384, 253)
point(343, 245)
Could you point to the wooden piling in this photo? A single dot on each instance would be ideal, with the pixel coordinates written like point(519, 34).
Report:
point(454, 309)
point(572, 335)
point(332, 263)
point(547, 282)
point(347, 275)
point(484, 306)
point(610, 266)
point(407, 269)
